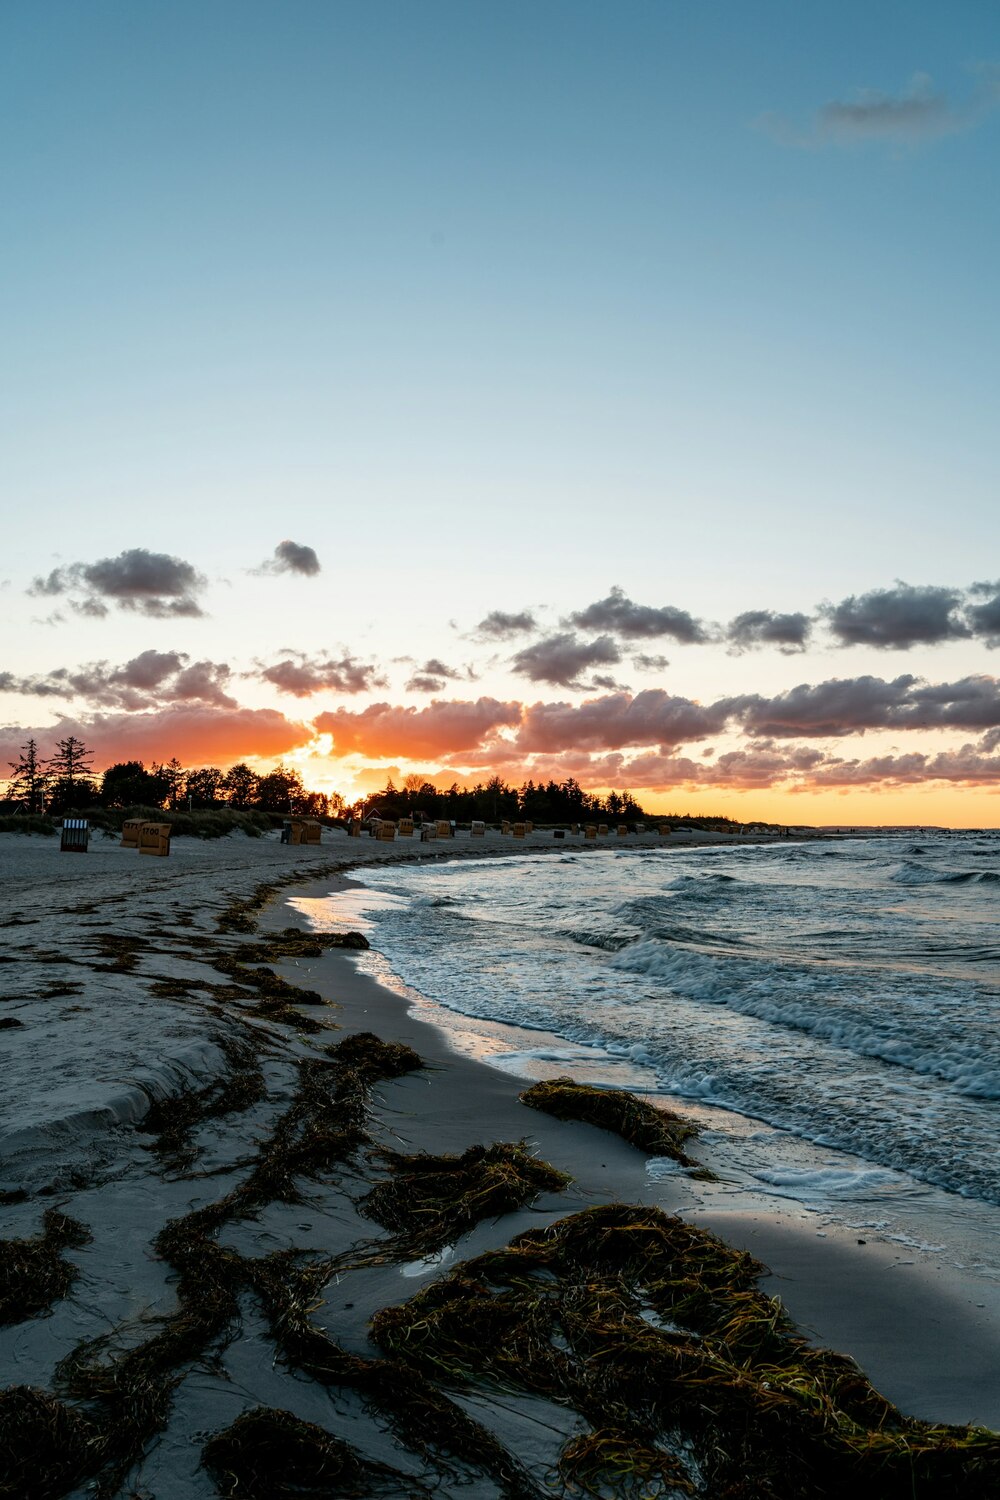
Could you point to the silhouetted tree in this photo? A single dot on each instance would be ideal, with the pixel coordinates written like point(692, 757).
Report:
point(240, 785)
point(30, 778)
point(203, 786)
point(69, 768)
point(129, 784)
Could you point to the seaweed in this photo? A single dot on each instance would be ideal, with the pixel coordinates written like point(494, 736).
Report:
point(424, 1417)
point(173, 1120)
point(607, 1462)
point(658, 1132)
point(268, 1454)
point(122, 949)
point(33, 1273)
point(430, 1200)
point(45, 1446)
point(655, 1331)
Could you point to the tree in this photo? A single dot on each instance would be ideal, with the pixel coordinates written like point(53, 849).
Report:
point(129, 784)
point(240, 785)
point(71, 760)
point(202, 787)
point(30, 778)
point(172, 775)
point(69, 769)
point(281, 791)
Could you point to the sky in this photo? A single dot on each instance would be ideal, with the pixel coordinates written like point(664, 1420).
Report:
point(537, 389)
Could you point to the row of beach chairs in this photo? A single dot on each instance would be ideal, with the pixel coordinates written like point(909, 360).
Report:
point(148, 838)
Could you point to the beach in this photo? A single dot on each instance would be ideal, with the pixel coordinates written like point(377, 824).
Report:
point(190, 1129)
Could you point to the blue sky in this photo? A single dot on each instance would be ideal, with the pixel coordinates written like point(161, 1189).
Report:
point(529, 299)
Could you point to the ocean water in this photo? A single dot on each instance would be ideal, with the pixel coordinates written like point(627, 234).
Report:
point(834, 1006)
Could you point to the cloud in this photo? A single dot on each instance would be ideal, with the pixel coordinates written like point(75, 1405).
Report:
point(290, 557)
point(499, 626)
point(562, 659)
point(301, 675)
point(618, 614)
point(852, 705)
point(150, 583)
point(196, 735)
point(918, 113)
point(652, 717)
point(763, 627)
point(385, 730)
point(644, 663)
point(434, 675)
point(984, 618)
point(153, 677)
point(896, 619)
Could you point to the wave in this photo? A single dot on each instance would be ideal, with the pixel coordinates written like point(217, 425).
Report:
point(610, 942)
point(911, 872)
point(815, 1005)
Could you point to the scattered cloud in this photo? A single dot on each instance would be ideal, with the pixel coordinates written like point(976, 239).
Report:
point(150, 583)
point(652, 717)
point(563, 659)
point(386, 730)
point(644, 663)
point(918, 113)
point(618, 614)
point(853, 705)
point(153, 677)
point(290, 557)
point(763, 627)
point(436, 674)
point(500, 626)
point(197, 735)
point(984, 616)
point(301, 675)
point(896, 619)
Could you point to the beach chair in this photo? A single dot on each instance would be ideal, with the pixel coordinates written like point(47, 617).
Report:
point(478, 830)
point(312, 832)
point(75, 836)
point(354, 831)
point(443, 828)
point(558, 833)
point(154, 838)
point(505, 826)
point(529, 827)
point(130, 832)
point(602, 830)
point(623, 830)
point(519, 830)
point(386, 831)
point(428, 832)
point(590, 832)
point(405, 828)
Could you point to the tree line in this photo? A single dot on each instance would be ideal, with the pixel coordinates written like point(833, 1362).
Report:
point(66, 781)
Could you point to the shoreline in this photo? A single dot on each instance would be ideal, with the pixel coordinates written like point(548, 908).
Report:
point(927, 1335)
point(121, 961)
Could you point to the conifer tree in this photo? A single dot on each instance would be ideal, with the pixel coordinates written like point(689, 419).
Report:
point(30, 778)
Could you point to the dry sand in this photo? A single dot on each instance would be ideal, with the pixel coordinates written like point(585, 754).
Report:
point(97, 1044)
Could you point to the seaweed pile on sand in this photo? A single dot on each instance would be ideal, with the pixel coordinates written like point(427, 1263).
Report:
point(693, 1381)
point(658, 1132)
point(33, 1273)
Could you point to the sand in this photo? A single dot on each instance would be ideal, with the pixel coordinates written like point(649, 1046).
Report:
point(100, 1040)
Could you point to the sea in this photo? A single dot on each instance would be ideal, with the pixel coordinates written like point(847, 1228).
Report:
point(828, 1011)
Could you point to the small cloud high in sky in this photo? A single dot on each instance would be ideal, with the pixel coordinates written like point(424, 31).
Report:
point(605, 391)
